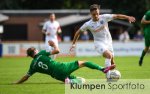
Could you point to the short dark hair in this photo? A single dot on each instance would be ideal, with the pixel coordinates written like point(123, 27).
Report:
point(52, 14)
point(30, 51)
point(94, 7)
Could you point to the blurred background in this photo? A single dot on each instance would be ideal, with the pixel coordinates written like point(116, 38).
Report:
point(21, 22)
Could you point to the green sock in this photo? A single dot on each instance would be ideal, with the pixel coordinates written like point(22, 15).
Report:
point(143, 54)
point(93, 66)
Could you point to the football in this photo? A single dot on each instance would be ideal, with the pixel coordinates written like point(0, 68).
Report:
point(114, 75)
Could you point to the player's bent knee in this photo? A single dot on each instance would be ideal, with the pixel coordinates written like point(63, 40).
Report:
point(81, 63)
point(109, 56)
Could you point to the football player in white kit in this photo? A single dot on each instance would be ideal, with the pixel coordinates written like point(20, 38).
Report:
point(51, 28)
point(98, 26)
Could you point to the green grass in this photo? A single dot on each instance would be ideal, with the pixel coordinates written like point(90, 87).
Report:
point(12, 69)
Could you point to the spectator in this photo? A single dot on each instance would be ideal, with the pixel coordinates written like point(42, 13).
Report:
point(138, 36)
point(124, 37)
point(85, 36)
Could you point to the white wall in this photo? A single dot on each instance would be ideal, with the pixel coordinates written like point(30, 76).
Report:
point(19, 49)
point(82, 48)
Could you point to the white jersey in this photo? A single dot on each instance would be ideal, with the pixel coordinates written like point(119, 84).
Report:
point(100, 31)
point(52, 28)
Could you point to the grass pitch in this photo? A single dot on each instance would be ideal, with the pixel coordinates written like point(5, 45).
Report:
point(13, 68)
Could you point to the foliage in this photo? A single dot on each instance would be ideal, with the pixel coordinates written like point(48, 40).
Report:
point(128, 7)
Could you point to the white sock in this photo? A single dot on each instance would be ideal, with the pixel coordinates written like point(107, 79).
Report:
point(107, 63)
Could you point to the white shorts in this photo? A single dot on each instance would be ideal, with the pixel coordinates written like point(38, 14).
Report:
point(102, 47)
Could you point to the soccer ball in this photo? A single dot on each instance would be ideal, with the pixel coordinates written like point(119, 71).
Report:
point(113, 75)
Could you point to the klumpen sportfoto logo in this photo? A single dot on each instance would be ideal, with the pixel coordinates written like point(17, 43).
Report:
point(110, 85)
point(128, 86)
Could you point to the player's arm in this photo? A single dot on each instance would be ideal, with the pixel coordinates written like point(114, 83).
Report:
point(23, 79)
point(44, 30)
point(144, 21)
point(121, 16)
point(77, 34)
point(55, 50)
point(59, 30)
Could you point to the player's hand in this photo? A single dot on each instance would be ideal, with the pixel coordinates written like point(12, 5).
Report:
point(51, 43)
point(14, 83)
point(131, 19)
point(71, 48)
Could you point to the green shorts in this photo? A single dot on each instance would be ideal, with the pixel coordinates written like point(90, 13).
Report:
point(65, 69)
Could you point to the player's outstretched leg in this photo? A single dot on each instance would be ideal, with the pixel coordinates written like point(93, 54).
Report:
point(92, 65)
point(142, 56)
point(109, 60)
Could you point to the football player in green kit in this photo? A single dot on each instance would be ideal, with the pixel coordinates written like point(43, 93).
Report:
point(42, 63)
point(146, 23)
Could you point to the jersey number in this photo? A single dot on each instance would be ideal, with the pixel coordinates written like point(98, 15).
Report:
point(43, 66)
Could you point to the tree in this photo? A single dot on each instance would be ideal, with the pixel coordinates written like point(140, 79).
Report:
point(129, 7)
point(147, 2)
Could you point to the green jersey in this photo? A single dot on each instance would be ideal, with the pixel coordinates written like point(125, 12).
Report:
point(42, 63)
point(147, 26)
point(146, 29)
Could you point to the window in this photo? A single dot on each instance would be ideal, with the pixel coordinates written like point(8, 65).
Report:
point(15, 32)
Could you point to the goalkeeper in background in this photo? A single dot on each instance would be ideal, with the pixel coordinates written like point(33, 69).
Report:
point(146, 28)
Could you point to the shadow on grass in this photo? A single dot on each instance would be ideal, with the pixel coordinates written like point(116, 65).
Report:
point(45, 83)
point(34, 83)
